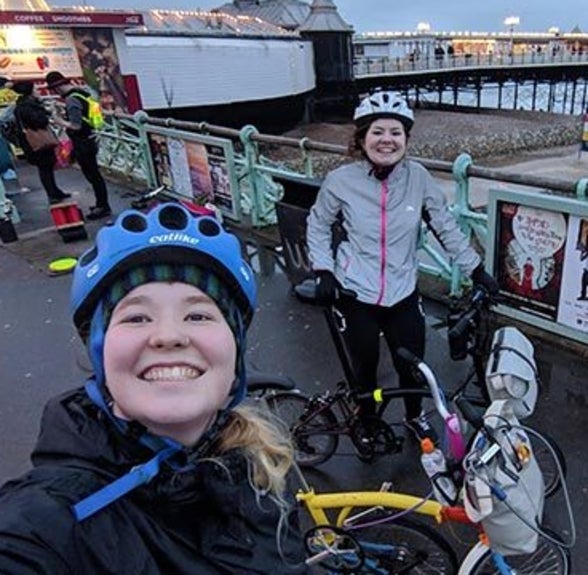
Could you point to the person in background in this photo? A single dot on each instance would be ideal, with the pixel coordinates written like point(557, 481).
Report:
point(31, 114)
point(83, 137)
point(156, 466)
point(383, 198)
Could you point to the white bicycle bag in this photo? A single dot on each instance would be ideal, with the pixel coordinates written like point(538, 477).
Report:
point(503, 486)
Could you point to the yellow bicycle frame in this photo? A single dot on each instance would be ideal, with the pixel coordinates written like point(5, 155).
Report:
point(316, 504)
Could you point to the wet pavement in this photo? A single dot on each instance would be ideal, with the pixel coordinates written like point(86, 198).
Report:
point(40, 356)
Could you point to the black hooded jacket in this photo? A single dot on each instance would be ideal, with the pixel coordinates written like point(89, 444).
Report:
point(205, 521)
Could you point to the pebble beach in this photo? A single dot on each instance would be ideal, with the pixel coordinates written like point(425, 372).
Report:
point(491, 137)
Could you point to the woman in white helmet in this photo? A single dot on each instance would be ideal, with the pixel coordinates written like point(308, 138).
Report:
point(383, 198)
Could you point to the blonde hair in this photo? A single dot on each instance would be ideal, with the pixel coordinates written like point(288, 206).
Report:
point(266, 445)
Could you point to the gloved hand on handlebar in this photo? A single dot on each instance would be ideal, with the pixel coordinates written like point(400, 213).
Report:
point(481, 277)
point(326, 287)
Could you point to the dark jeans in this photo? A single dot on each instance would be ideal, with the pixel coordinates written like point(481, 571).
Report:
point(85, 152)
point(45, 162)
point(402, 324)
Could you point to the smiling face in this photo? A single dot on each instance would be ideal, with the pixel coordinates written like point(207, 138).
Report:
point(385, 142)
point(169, 359)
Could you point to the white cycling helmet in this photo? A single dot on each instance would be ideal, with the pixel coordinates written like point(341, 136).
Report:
point(384, 104)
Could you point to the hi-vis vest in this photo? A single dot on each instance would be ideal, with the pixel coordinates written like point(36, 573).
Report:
point(95, 118)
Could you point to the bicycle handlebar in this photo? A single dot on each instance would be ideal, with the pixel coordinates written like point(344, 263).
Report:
point(419, 364)
point(480, 298)
point(469, 413)
point(456, 442)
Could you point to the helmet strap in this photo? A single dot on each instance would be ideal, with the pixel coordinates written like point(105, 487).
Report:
point(239, 388)
point(96, 343)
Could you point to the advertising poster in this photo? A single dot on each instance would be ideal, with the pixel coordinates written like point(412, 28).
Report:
point(199, 167)
point(161, 162)
point(221, 182)
point(573, 307)
point(530, 257)
point(30, 53)
point(200, 178)
point(101, 67)
point(179, 168)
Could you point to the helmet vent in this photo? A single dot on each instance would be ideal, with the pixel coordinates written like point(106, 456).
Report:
point(134, 223)
point(208, 227)
point(89, 256)
point(173, 218)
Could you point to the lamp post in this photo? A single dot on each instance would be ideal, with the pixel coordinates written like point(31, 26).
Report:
point(511, 22)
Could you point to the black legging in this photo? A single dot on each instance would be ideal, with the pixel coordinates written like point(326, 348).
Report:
point(403, 325)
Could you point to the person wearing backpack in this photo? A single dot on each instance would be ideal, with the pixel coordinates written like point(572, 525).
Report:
point(30, 114)
point(80, 127)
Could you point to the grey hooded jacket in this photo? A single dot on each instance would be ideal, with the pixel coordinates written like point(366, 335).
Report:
point(382, 221)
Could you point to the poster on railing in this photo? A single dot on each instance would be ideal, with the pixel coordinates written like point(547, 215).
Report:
point(530, 257)
point(539, 255)
point(573, 306)
point(199, 167)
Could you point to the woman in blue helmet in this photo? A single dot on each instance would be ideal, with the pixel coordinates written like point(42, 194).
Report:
point(383, 199)
point(154, 467)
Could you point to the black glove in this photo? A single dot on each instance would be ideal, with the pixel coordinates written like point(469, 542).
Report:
point(481, 277)
point(326, 287)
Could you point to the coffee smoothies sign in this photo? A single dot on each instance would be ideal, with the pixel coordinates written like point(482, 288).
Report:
point(82, 45)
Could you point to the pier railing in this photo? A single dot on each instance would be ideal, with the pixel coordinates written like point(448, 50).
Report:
point(379, 65)
point(125, 151)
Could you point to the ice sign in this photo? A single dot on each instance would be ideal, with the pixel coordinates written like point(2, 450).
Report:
point(541, 233)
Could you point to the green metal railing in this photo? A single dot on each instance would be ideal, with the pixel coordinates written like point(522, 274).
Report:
point(125, 152)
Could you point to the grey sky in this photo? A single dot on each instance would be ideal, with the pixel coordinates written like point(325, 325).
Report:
point(366, 15)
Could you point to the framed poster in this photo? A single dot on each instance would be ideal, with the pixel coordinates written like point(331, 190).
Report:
point(538, 252)
point(199, 167)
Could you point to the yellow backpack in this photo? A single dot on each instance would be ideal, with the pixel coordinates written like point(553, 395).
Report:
point(95, 117)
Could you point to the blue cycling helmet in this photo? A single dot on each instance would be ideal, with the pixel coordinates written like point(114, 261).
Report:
point(169, 234)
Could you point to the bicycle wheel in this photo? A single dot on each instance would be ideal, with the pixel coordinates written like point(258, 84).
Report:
point(545, 452)
point(313, 426)
point(547, 559)
point(405, 546)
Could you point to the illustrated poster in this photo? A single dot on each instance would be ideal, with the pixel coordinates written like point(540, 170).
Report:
point(530, 257)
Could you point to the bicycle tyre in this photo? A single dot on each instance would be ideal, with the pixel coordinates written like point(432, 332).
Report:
point(417, 549)
point(548, 559)
point(314, 443)
point(547, 464)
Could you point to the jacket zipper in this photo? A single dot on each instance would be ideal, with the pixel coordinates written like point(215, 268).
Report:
point(383, 195)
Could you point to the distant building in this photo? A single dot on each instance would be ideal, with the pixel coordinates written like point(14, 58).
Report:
point(234, 68)
point(288, 14)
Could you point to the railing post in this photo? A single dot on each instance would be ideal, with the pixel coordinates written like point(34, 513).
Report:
point(459, 209)
point(581, 187)
point(306, 157)
point(140, 117)
point(251, 156)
